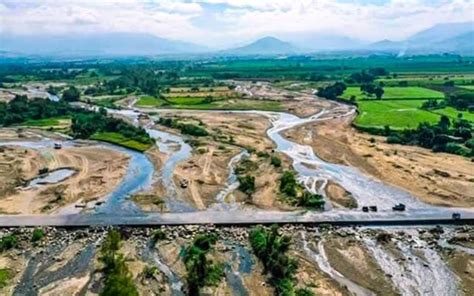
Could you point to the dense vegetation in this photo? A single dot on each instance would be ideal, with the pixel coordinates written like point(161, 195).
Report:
point(117, 278)
point(84, 123)
point(185, 128)
point(295, 193)
point(271, 249)
point(201, 271)
point(445, 136)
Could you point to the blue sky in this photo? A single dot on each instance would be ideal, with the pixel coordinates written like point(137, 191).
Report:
point(223, 23)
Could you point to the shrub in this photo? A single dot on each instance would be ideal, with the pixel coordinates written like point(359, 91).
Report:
point(37, 235)
point(247, 184)
point(275, 161)
point(8, 242)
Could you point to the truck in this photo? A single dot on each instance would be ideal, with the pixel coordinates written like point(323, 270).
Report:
point(400, 207)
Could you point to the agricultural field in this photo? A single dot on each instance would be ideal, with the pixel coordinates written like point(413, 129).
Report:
point(398, 114)
point(116, 138)
point(396, 93)
point(424, 79)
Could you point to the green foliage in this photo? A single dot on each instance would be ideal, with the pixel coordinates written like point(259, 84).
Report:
point(304, 292)
point(246, 166)
point(275, 161)
point(271, 248)
point(84, 123)
point(37, 235)
point(185, 128)
point(247, 184)
point(201, 271)
point(8, 242)
point(332, 92)
point(296, 194)
point(72, 94)
point(5, 276)
point(117, 278)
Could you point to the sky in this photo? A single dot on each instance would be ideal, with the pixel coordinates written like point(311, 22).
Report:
point(224, 23)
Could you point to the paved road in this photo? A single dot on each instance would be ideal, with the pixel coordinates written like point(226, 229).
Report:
point(242, 217)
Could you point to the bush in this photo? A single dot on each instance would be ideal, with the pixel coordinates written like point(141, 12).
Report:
point(275, 161)
point(38, 234)
point(8, 242)
point(247, 184)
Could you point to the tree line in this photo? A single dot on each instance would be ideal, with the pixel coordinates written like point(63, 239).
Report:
point(85, 123)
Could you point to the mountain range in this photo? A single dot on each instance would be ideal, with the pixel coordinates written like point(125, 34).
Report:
point(441, 38)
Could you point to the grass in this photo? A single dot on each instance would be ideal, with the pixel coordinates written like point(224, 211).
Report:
point(236, 105)
point(47, 122)
point(186, 100)
point(397, 114)
point(453, 113)
point(5, 275)
point(149, 101)
point(119, 139)
point(396, 93)
point(467, 86)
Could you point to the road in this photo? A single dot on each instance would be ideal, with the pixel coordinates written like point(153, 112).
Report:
point(241, 217)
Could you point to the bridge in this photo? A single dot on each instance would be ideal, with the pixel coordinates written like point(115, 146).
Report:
point(244, 218)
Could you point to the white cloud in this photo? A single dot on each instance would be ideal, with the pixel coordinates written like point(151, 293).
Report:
point(230, 21)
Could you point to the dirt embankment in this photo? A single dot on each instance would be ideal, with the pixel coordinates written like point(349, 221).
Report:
point(436, 178)
point(299, 103)
point(98, 171)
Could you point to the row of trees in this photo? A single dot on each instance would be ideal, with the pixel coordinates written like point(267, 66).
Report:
point(117, 278)
point(445, 136)
point(201, 271)
point(271, 249)
point(185, 128)
point(84, 123)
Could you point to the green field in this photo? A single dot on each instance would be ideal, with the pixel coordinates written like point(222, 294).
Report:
point(48, 122)
point(5, 276)
point(116, 138)
point(397, 114)
point(400, 114)
point(467, 86)
point(149, 101)
point(186, 100)
point(396, 93)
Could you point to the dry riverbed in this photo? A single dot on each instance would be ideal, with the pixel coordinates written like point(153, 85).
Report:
point(436, 178)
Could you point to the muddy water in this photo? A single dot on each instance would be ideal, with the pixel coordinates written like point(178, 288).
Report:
point(151, 255)
point(322, 260)
point(51, 177)
point(177, 150)
point(231, 185)
point(415, 268)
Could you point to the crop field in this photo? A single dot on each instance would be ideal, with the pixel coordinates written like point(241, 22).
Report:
point(149, 101)
point(428, 79)
point(467, 87)
point(400, 114)
point(119, 139)
point(235, 104)
point(397, 114)
point(412, 93)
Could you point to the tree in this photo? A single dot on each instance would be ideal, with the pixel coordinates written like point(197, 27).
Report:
point(71, 94)
point(378, 91)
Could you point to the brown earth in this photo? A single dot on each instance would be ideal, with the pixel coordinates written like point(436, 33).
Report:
point(436, 178)
point(354, 261)
point(98, 171)
point(299, 103)
point(463, 266)
point(340, 197)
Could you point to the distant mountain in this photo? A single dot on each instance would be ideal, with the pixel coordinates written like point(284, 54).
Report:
point(386, 45)
point(448, 37)
point(463, 43)
point(107, 44)
point(264, 46)
point(319, 41)
point(441, 32)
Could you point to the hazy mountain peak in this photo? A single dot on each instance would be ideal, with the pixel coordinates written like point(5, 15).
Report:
point(266, 45)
